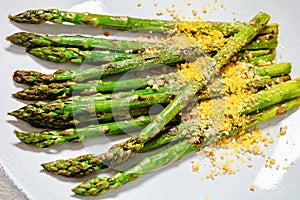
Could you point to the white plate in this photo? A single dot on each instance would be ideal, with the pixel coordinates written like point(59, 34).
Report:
point(22, 163)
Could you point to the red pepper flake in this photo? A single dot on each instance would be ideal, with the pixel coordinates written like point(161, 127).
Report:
point(106, 33)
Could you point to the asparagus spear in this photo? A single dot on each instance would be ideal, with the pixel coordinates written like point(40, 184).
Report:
point(121, 152)
point(94, 118)
point(221, 56)
point(147, 61)
point(60, 114)
point(279, 92)
point(53, 137)
point(261, 60)
point(139, 62)
point(32, 76)
point(267, 39)
point(100, 185)
point(83, 120)
point(248, 54)
point(274, 70)
point(33, 40)
point(87, 164)
point(71, 88)
point(77, 56)
point(43, 114)
point(118, 22)
point(263, 42)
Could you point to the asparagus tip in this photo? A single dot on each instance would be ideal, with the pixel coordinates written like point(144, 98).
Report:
point(93, 187)
point(10, 16)
point(31, 16)
point(30, 76)
point(22, 136)
point(18, 95)
point(75, 167)
point(8, 38)
point(14, 113)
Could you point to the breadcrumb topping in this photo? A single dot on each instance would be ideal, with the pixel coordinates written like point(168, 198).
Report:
point(199, 31)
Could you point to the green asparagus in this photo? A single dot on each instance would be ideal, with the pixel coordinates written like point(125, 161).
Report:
point(33, 40)
point(262, 42)
point(57, 113)
point(115, 22)
point(140, 63)
point(120, 22)
point(71, 88)
point(122, 151)
point(261, 60)
point(266, 39)
point(92, 163)
point(62, 113)
point(264, 105)
point(49, 138)
point(100, 185)
point(77, 56)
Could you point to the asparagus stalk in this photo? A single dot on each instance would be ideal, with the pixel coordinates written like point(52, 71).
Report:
point(121, 152)
point(53, 137)
point(33, 40)
point(274, 70)
point(89, 119)
point(71, 88)
point(248, 54)
point(90, 163)
point(263, 42)
point(59, 114)
point(48, 138)
point(34, 77)
point(267, 39)
point(77, 56)
point(100, 185)
point(115, 22)
point(280, 92)
point(261, 60)
point(139, 62)
point(240, 39)
point(119, 22)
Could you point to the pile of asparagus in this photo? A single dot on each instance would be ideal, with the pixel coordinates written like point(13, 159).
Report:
point(83, 103)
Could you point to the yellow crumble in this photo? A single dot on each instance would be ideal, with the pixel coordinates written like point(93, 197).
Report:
point(159, 12)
